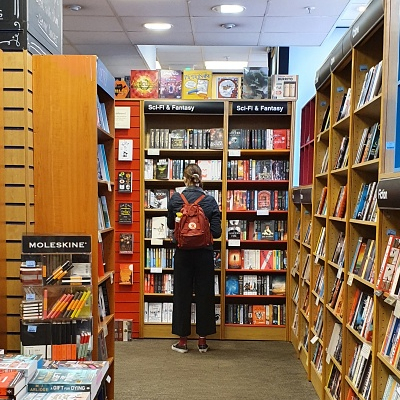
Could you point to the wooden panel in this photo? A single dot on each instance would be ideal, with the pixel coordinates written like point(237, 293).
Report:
point(15, 156)
point(15, 232)
point(14, 137)
point(15, 195)
point(254, 333)
point(15, 118)
point(13, 305)
point(14, 79)
point(13, 324)
point(13, 250)
point(15, 60)
point(14, 99)
point(13, 343)
point(17, 176)
point(15, 213)
point(14, 288)
point(12, 268)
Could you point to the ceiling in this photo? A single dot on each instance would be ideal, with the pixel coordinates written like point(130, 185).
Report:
point(113, 30)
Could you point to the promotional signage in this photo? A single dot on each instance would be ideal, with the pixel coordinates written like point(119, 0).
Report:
point(56, 244)
point(258, 107)
point(388, 194)
point(184, 107)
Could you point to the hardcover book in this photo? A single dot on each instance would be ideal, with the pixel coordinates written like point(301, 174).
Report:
point(126, 243)
point(178, 139)
point(255, 83)
point(125, 213)
point(259, 315)
point(121, 89)
point(232, 285)
point(144, 84)
point(125, 182)
point(233, 230)
point(126, 274)
point(235, 139)
point(226, 86)
point(162, 169)
point(216, 138)
point(284, 87)
point(264, 200)
point(170, 85)
point(11, 382)
point(278, 285)
point(158, 199)
point(197, 84)
point(234, 259)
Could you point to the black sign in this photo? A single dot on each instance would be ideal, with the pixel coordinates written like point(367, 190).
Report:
point(39, 244)
point(260, 107)
point(183, 107)
point(388, 194)
point(12, 15)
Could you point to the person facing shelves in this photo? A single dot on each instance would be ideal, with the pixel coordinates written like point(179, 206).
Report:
point(194, 269)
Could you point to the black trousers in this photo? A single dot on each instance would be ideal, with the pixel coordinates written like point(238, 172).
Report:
point(193, 273)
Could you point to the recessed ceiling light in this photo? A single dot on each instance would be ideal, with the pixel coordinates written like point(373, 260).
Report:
point(74, 7)
point(310, 9)
point(228, 9)
point(225, 65)
point(361, 8)
point(158, 26)
point(228, 26)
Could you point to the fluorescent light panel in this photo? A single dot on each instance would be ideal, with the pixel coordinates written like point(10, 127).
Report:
point(158, 26)
point(225, 65)
point(229, 8)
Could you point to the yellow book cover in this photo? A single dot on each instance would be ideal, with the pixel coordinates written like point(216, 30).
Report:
point(197, 84)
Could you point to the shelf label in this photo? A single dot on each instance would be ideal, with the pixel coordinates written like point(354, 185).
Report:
point(157, 242)
point(390, 145)
point(234, 242)
point(260, 107)
point(108, 379)
point(234, 152)
point(390, 299)
point(183, 107)
point(30, 263)
point(314, 339)
point(153, 152)
point(262, 212)
point(396, 312)
point(156, 270)
point(350, 279)
point(328, 358)
point(340, 89)
point(122, 117)
point(317, 300)
point(30, 296)
point(32, 328)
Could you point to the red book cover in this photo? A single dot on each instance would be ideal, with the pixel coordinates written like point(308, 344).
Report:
point(264, 200)
point(144, 84)
point(267, 259)
point(279, 138)
point(234, 259)
point(11, 382)
point(259, 317)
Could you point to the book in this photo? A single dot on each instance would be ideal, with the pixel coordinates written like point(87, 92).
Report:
point(125, 182)
point(278, 285)
point(125, 274)
point(11, 382)
point(234, 259)
point(232, 285)
point(162, 168)
point(235, 139)
point(197, 84)
point(255, 83)
point(144, 84)
point(126, 243)
point(267, 229)
point(125, 213)
point(264, 200)
point(233, 229)
point(170, 84)
point(159, 229)
point(122, 89)
point(284, 87)
point(178, 139)
point(259, 315)
point(226, 87)
point(216, 138)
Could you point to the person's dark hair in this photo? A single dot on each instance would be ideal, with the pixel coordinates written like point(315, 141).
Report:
point(193, 175)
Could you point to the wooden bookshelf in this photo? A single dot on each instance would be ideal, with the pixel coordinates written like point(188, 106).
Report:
point(307, 132)
point(228, 116)
point(66, 184)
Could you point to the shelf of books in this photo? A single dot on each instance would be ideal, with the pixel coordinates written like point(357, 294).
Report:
point(242, 148)
point(307, 143)
point(74, 172)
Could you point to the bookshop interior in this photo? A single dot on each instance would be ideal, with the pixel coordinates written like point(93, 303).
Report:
point(296, 144)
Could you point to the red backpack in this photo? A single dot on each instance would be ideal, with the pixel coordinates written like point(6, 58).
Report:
point(192, 231)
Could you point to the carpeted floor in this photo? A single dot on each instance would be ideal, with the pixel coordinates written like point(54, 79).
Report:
point(148, 369)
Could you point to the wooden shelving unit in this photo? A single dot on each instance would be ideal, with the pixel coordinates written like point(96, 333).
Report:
point(226, 115)
point(65, 93)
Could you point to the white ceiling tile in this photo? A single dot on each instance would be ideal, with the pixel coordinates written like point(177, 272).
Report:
point(203, 24)
point(91, 24)
point(156, 38)
point(118, 38)
point(150, 8)
point(227, 39)
point(287, 39)
point(288, 8)
point(296, 25)
point(203, 8)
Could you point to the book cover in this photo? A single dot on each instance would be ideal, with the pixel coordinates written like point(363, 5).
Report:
point(154, 312)
point(259, 315)
point(284, 87)
point(226, 86)
point(158, 199)
point(162, 168)
point(267, 229)
point(178, 139)
point(232, 285)
point(216, 138)
point(122, 89)
point(278, 285)
point(159, 227)
point(255, 83)
point(234, 259)
point(267, 259)
point(197, 84)
point(125, 213)
point(170, 84)
point(144, 84)
point(125, 182)
point(11, 382)
point(264, 200)
point(234, 230)
point(235, 139)
point(126, 274)
point(126, 243)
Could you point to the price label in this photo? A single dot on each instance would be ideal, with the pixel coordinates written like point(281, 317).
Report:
point(262, 212)
point(234, 153)
point(30, 296)
point(314, 340)
point(397, 309)
point(328, 358)
point(350, 279)
point(156, 270)
point(108, 379)
point(153, 152)
point(317, 300)
point(157, 242)
point(365, 350)
point(32, 328)
point(390, 299)
point(234, 242)
point(30, 263)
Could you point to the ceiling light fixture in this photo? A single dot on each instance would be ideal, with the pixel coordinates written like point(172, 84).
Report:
point(74, 7)
point(226, 65)
point(230, 25)
point(228, 9)
point(310, 8)
point(361, 9)
point(158, 26)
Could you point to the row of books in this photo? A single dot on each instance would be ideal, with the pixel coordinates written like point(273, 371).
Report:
point(259, 139)
point(158, 198)
point(103, 217)
point(257, 314)
point(257, 200)
point(258, 170)
point(255, 285)
point(322, 204)
point(341, 202)
point(325, 161)
point(103, 173)
point(320, 246)
point(336, 297)
point(256, 259)
point(360, 371)
point(391, 344)
point(361, 314)
point(392, 389)
point(319, 281)
point(344, 109)
point(123, 330)
point(372, 84)
point(368, 148)
point(342, 156)
point(363, 262)
point(366, 205)
point(338, 252)
point(256, 230)
point(318, 321)
point(191, 138)
point(389, 272)
point(317, 358)
point(335, 382)
point(334, 349)
point(165, 168)
point(161, 312)
point(102, 119)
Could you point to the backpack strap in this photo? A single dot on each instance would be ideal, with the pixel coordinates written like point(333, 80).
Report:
point(196, 202)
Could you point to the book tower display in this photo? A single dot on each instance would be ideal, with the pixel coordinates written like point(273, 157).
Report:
point(344, 259)
point(243, 149)
point(74, 173)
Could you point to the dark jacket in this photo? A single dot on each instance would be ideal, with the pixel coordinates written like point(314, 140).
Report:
point(208, 204)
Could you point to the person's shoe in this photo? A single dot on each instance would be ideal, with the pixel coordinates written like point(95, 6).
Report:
point(202, 348)
point(179, 348)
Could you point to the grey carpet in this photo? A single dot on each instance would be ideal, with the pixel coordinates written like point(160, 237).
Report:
point(148, 369)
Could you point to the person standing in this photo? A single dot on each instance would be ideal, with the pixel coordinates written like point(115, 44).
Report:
point(194, 269)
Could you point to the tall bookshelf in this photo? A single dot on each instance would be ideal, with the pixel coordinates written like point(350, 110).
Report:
point(307, 143)
point(355, 232)
point(228, 116)
point(67, 186)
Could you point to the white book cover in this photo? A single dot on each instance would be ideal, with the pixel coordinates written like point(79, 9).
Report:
point(155, 312)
